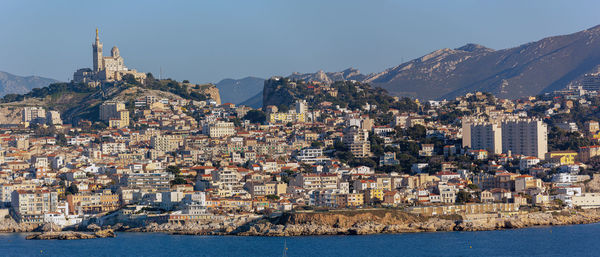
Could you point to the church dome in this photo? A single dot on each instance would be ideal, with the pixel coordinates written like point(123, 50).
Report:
point(114, 52)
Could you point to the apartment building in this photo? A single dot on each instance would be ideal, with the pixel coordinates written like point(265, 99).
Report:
point(115, 114)
point(90, 203)
point(34, 114)
point(315, 181)
point(357, 140)
point(482, 136)
point(507, 134)
point(219, 129)
point(525, 136)
point(154, 181)
point(30, 205)
point(167, 143)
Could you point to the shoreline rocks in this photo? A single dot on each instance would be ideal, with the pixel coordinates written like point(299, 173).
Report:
point(71, 235)
point(339, 222)
point(389, 223)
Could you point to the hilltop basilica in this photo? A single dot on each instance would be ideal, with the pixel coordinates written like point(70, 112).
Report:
point(106, 68)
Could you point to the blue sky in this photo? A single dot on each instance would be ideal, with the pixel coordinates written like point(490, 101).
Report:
point(206, 41)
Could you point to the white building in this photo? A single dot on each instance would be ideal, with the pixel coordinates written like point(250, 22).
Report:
point(34, 114)
point(528, 162)
point(506, 134)
point(219, 129)
point(482, 136)
point(525, 137)
point(587, 200)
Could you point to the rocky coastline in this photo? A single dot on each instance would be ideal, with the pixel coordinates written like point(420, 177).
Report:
point(71, 235)
point(348, 222)
point(386, 222)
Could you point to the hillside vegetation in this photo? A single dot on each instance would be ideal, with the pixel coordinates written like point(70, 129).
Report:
point(78, 101)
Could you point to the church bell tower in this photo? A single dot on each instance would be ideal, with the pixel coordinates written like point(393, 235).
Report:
point(97, 53)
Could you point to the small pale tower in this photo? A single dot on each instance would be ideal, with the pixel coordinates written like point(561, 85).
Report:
point(97, 53)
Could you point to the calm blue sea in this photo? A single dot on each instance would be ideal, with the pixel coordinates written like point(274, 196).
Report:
point(577, 240)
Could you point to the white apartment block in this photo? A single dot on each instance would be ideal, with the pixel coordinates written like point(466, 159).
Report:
point(34, 114)
point(30, 206)
point(525, 136)
point(483, 135)
point(515, 135)
point(219, 129)
point(113, 148)
point(166, 143)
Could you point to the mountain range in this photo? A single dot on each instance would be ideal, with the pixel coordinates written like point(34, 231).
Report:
point(529, 69)
point(13, 84)
point(238, 90)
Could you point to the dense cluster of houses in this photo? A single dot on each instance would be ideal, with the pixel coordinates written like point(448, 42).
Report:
point(184, 160)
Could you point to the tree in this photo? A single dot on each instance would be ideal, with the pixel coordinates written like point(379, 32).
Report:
point(173, 170)
point(99, 126)
point(255, 116)
point(130, 79)
point(416, 132)
point(463, 197)
point(61, 139)
point(236, 122)
point(316, 144)
point(473, 186)
point(363, 162)
point(72, 189)
point(178, 181)
point(283, 108)
point(272, 197)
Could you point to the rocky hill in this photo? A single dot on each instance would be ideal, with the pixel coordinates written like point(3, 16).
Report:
point(13, 84)
point(283, 92)
point(330, 77)
point(79, 101)
point(253, 86)
point(239, 90)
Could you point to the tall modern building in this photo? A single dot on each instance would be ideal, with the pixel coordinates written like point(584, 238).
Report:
point(525, 136)
point(483, 135)
point(34, 114)
point(591, 82)
point(515, 135)
point(301, 106)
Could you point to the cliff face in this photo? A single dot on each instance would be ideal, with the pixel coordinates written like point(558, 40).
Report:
point(213, 92)
point(275, 92)
point(210, 90)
